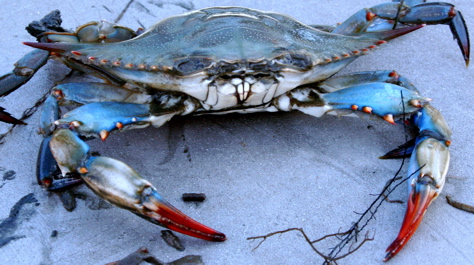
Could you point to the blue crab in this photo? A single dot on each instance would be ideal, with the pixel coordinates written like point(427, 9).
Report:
point(224, 60)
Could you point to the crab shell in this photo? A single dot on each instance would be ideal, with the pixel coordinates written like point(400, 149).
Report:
point(223, 57)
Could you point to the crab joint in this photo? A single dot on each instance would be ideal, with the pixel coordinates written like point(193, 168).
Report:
point(394, 74)
point(416, 103)
point(389, 118)
point(72, 124)
point(367, 109)
point(370, 15)
point(58, 94)
point(104, 134)
point(83, 170)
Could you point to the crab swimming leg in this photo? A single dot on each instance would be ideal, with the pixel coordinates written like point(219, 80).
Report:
point(382, 21)
point(381, 93)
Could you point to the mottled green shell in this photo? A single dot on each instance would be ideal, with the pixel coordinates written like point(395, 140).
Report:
point(197, 40)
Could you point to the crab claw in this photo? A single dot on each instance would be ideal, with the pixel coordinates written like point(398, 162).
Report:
point(427, 170)
point(119, 184)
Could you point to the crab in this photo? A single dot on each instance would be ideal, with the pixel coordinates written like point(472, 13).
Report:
point(229, 60)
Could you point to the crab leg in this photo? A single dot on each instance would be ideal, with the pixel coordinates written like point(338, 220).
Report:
point(83, 93)
point(385, 18)
point(24, 69)
point(72, 93)
point(45, 30)
point(109, 178)
point(376, 93)
point(122, 186)
point(100, 118)
point(427, 170)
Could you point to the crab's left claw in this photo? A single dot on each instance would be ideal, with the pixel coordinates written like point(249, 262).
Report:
point(427, 170)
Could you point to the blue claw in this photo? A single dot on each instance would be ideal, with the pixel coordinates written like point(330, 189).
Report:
point(48, 173)
point(427, 170)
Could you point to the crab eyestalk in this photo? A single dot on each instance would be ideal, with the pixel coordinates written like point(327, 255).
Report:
point(120, 185)
point(427, 170)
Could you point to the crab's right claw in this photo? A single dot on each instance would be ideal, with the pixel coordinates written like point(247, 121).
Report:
point(119, 184)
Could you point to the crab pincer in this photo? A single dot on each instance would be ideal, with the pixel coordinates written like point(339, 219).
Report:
point(427, 172)
point(122, 186)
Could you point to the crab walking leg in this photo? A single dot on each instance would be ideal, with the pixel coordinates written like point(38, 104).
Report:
point(120, 185)
point(374, 93)
point(98, 119)
point(385, 17)
point(84, 93)
point(427, 170)
point(24, 70)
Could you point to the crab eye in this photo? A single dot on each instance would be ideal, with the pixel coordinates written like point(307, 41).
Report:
point(192, 65)
point(298, 61)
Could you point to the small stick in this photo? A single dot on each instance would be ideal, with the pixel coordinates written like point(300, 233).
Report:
point(460, 205)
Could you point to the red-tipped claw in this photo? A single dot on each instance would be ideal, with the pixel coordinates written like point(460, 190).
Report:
point(428, 167)
point(159, 211)
point(119, 184)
